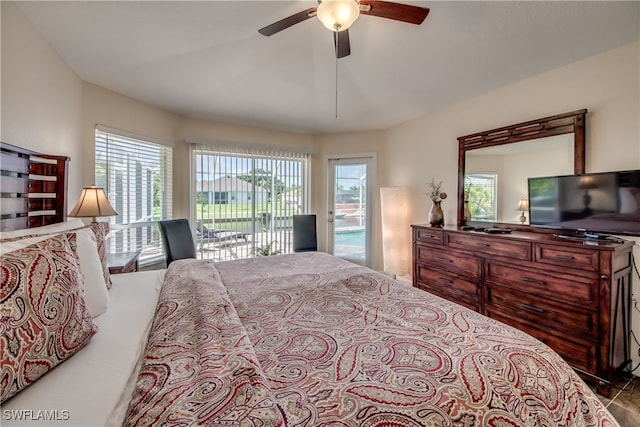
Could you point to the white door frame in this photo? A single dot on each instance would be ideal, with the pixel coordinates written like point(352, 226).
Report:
point(372, 160)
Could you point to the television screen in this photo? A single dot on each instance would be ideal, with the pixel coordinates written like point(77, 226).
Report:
point(607, 202)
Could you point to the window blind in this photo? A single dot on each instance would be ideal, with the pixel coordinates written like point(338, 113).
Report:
point(244, 199)
point(137, 177)
point(483, 203)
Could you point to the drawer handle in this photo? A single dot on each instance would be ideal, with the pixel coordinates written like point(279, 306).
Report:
point(445, 259)
point(532, 308)
point(532, 280)
point(445, 280)
point(483, 245)
point(564, 256)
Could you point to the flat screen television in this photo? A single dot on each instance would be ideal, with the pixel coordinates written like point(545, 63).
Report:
point(587, 205)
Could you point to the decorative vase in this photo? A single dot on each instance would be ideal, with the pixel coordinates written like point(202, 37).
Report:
point(436, 216)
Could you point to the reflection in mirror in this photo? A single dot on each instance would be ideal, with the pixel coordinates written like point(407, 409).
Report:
point(495, 178)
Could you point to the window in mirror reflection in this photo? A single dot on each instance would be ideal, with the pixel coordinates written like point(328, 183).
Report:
point(481, 196)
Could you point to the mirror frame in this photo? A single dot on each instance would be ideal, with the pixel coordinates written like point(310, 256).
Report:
point(560, 124)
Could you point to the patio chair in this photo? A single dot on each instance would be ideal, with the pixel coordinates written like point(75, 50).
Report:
point(304, 233)
point(177, 240)
point(208, 235)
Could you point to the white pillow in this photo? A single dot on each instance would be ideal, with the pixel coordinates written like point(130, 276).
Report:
point(45, 229)
point(96, 294)
point(14, 245)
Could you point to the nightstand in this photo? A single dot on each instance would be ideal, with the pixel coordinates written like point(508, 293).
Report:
point(123, 262)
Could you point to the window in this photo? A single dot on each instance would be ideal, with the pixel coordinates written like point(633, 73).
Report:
point(245, 198)
point(480, 191)
point(137, 177)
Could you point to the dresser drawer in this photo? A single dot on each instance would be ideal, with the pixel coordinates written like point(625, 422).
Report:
point(449, 286)
point(428, 235)
point(580, 354)
point(449, 260)
point(578, 323)
point(579, 291)
point(622, 261)
point(490, 245)
point(582, 259)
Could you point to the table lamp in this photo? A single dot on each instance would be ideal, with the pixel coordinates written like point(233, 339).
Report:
point(523, 206)
point(93, 203)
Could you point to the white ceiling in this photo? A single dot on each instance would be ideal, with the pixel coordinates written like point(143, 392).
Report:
point(207, 59)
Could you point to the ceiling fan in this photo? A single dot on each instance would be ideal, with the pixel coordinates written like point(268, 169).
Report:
point(338, 15)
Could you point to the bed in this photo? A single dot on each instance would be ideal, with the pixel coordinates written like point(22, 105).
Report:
point(302, 339)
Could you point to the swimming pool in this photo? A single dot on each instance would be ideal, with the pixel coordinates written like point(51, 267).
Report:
point(350, 237)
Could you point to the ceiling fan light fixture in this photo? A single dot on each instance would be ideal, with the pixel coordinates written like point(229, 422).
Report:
point(338, 15)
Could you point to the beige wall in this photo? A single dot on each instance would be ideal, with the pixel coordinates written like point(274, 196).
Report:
point(41, 96)
point(107, 108)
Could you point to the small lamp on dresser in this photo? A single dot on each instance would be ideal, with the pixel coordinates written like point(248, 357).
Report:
point(93, 203)
point(523, 206)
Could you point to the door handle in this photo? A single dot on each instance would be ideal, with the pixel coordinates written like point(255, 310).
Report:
point(330, 220)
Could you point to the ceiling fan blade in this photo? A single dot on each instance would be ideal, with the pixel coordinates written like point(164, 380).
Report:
point(341, 41)
point(287, 22)
point(399, 12)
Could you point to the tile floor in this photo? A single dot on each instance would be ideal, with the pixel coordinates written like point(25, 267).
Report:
point(624, 403)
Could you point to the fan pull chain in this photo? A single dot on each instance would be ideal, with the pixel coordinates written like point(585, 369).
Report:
point(337, 50)
point(336, 88)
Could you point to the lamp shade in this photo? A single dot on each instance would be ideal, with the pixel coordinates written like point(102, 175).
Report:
point(523, 205)
point(587, 183)
point(338, 15)
point(93, 203)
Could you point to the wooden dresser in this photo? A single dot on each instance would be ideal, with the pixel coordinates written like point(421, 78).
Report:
point(572, 295)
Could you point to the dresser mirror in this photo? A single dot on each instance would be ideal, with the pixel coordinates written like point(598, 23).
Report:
point(494, 167)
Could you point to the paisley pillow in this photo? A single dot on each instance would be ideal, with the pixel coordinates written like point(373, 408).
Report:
point(101, 229)
point(96, 294)
point(29, 236)
point(43, 316)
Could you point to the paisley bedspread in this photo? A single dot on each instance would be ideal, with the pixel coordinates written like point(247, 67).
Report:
point(310, 340)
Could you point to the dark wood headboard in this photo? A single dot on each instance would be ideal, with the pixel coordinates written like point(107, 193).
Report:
point(33, 188)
